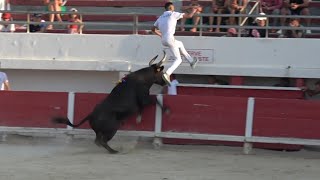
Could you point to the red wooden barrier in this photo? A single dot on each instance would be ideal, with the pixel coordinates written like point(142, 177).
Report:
point(85, 102)
point(235, 92)
point(205, 114)
point(286, 118)
point(31, 109)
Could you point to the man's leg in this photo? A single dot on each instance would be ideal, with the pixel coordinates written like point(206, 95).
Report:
point(193, 61)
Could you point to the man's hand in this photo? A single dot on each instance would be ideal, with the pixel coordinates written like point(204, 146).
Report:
point(294, 6)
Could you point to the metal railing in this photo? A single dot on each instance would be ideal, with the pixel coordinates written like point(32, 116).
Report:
point(136, 24)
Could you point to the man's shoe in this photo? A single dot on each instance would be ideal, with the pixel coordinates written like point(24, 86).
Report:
point(166, 78)
point(194, 62)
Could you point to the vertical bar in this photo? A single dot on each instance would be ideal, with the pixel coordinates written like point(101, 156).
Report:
point(71, 100)
point(267, 30)
point(201, 24)
point(135, 24)
point(157, 142)
point(81, 26)
point(247, 147)
point(28, 23)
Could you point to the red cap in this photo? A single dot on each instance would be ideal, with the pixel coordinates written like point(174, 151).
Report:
point(6, 16)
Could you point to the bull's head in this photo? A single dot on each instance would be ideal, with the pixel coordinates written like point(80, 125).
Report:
point(158, 69)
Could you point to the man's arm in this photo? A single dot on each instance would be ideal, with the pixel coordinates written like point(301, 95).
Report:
point(7, 86)
point(189, 15)
point(305, 4)
point(277, 5)
point(156, 31)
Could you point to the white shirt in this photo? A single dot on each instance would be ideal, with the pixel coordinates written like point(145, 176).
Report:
point(172, 89)
point(9, 28)
point(167, 22)
point(3, 80)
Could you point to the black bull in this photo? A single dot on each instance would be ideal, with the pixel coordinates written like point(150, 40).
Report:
point(128, 97)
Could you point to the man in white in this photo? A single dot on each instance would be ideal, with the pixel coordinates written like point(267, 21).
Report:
point(165, 27)
point(172, 90)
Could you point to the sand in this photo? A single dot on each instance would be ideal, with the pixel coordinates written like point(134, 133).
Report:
point(24, 158)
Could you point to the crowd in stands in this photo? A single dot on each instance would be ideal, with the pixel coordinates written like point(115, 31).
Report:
point(265, 7)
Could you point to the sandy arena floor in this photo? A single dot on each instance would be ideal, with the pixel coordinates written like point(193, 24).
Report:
point(26, 158)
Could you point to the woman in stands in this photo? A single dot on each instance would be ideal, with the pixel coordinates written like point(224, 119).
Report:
point(7, 27)
point(74, 28)
point(54, 5)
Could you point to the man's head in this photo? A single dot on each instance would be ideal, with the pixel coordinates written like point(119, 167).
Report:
point(36, 17)
point(169, 6)
point(232, 32)
point(295, 22)
point(261, 21)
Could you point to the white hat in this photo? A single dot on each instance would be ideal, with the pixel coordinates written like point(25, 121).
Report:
point(262, 17)
point(73, 9)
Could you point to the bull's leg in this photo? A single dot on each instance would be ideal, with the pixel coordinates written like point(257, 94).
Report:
point(164, 109)
point(139, 117)
point(106, 137)
point(97, 141)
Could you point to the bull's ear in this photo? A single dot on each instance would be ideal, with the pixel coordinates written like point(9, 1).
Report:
point(161, 68)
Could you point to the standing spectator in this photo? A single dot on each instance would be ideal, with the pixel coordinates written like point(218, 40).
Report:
point(217, 7)
point(37, 27)
point(7, 27)
point(294, 22)
point(165, 27)
point(312, 92)
point(295, 7)
point(235, 7)
point(74, 28)
point(172, 90)
point(272, 7)
point(4, 82)
point(53, 5)
point(260, 22)
point(195, 18)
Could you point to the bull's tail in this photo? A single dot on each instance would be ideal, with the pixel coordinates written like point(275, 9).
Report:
point(64, 120)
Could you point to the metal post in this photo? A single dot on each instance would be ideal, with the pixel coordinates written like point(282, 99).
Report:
point(247, 147)
point(135, 24)
point(28, 23)
point(201, 23)
point(71, 100)
point(81, 26)
point(157, 142)
point(267, 30)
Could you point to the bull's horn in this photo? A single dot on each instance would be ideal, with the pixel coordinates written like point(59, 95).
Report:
point(163, 59)
point(152, 60)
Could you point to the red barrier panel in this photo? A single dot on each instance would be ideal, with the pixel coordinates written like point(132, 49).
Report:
point(286, 118)
point(31, 109)
point(205, 114)
point(233, 92)
point(85, 102)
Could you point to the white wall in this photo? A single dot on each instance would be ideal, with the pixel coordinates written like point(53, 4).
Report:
point(93, 56)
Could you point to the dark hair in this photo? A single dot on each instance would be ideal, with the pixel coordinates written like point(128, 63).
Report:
point(166, 6)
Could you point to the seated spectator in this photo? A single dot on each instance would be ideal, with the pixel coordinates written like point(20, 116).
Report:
point(295, 7)
point(260, 22)
point(195, 18)
point(7, 27)
point(311, 92)
point(294, 22)
point(234, 7)
point(232, 32)
point(4, 82)
point(53, 5)
point(74, 28)
point(217, 7)
point(215, 81)
point(37, 27)
point(284, 82)
point(272, 7)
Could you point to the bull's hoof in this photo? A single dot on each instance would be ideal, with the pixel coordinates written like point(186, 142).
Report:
point(113, 152)
point(157, 143)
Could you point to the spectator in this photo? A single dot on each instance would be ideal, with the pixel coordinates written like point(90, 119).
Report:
point(217, 7)
point(7, 27)
point(284, 82)
point(294, 22)
point(234, 7)
point(37, 27)
point(4, 82)
point(53, 6)
point(295, 7)
point(215, 81)
point(172, 90)
point(195, 18)
point(260, 22)
point(232, 32)
point(311, 92)
point(74, 28)
point(272, 7)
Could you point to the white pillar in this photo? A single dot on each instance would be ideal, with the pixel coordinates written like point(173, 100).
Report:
point(157, 142)
point(247, 147)
point(71, 99)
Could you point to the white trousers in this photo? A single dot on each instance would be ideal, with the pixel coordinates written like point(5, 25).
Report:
point(175, 47)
